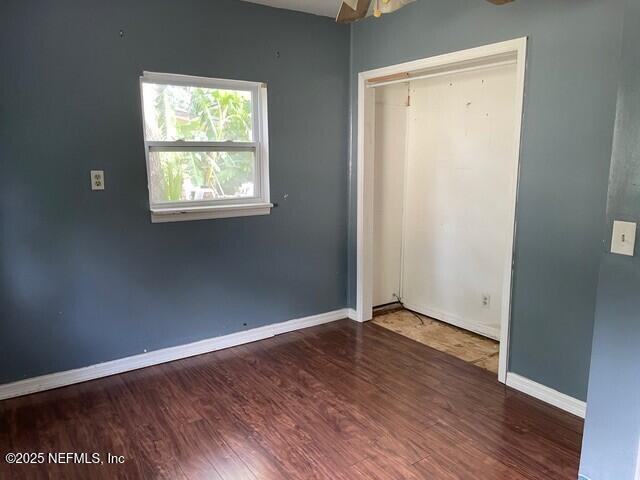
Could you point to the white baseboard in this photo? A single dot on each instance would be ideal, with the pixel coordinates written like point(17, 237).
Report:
point(484, 330)
point(352, 314)
point(69, 377)
point(546, 394)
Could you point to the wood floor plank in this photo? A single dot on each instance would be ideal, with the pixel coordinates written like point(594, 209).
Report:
point(381, 467)
point(341, 401)
point(465, 392)
point(460, 398)
point(358, 434)
point(381, 421)
point(324, 422)
point(269, 427)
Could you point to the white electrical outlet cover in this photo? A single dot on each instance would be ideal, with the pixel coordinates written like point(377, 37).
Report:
point(97, 179)
point(623, 240)
point(486, 300)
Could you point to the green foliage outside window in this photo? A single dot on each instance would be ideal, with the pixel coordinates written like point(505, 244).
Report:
point(204, 114)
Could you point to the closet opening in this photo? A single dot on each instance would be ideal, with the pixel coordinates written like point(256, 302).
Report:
point(438, 157)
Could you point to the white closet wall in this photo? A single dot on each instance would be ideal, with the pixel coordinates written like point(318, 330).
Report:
point(390, 121)
point(459, 173)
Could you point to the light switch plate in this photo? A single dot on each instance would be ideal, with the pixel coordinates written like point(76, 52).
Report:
point(624, 238)
point(97, 179)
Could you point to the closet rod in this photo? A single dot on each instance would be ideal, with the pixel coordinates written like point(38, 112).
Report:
point(406, 76)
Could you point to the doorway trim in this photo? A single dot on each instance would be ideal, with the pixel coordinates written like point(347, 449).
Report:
point(447, 63)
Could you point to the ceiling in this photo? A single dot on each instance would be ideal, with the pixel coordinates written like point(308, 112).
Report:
point(327, 8)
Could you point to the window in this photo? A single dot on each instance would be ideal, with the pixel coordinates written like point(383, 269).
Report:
point(206, 146)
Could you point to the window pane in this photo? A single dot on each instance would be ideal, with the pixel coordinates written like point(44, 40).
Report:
point(198, 114)
point(194, 176)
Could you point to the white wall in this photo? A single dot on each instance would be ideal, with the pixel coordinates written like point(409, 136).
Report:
point(390, 121)
point(460, 169)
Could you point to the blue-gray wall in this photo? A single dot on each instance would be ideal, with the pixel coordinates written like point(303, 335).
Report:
point(78, 268)
point(85, 276)
point(566, 150)
point(612, 429)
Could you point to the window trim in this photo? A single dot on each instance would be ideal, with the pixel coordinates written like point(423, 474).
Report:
point(260, 203)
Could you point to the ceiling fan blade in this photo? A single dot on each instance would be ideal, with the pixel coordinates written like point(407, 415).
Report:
point(499, 2)
point(347, 14)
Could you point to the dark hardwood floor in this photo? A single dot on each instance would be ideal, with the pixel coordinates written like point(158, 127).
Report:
point(341, 401)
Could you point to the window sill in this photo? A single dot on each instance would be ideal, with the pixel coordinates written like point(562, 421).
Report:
point(205, 213)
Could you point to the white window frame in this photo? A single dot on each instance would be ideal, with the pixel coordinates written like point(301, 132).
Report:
point(260, 203)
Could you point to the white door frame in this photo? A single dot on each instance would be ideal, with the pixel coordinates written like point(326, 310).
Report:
point(458, 61)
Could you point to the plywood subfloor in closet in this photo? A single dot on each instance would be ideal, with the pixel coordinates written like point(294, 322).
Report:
point(465, 345)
